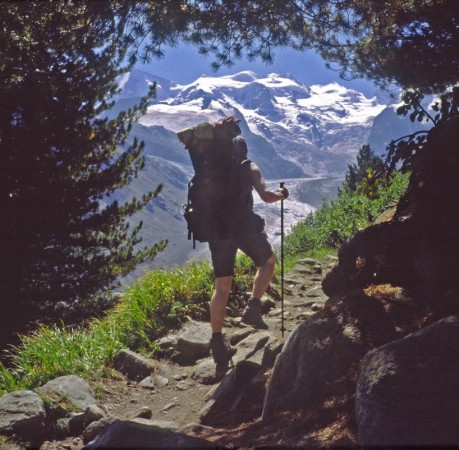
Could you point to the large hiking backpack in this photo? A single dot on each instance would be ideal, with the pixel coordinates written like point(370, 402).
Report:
point(215, 197)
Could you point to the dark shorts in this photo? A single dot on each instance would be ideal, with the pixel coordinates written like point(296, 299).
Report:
point(223, 251)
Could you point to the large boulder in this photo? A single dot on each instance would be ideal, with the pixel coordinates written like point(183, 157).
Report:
point(23, 414)
point(71, 389)
point(408, 390)
point(193, 342)
point(145, 434)
point(316, 353)
point(133, 365)
point(242, 391)
point(228, 395)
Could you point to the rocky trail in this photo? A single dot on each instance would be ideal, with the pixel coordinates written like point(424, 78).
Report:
point(187, 401)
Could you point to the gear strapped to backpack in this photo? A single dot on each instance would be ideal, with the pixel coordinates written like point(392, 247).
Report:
point(217, 206)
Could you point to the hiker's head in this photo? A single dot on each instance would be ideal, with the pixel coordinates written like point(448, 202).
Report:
point(227, 129)
point(240, 147)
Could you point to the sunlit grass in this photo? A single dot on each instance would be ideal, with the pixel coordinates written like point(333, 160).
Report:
point(160, 301)
point(53, 351)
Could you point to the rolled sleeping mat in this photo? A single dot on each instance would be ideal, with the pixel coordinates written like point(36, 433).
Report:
point(202, 131)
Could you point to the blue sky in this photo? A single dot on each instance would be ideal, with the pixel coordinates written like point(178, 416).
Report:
point(183, 64)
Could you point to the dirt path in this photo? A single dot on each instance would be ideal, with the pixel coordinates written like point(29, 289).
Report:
point(176, 396)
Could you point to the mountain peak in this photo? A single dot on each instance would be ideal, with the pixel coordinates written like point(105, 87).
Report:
point(245, 76)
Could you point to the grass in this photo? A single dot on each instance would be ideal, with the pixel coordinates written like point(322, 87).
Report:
point(160, 301)
point(53, 351)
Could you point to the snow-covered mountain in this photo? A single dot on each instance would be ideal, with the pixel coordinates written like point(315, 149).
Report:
point(317, 128)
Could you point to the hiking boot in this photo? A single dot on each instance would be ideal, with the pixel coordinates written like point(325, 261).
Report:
point(222, 351)
point(252, 315)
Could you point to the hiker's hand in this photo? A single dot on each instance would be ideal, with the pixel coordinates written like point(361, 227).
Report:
point(284, 192)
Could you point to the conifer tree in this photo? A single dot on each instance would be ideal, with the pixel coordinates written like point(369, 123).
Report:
point(367, 161)
point(63, 241)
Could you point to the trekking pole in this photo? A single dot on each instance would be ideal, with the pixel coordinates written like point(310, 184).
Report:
point(282, 262)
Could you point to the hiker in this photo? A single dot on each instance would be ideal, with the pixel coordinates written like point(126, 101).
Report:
point(244, 230)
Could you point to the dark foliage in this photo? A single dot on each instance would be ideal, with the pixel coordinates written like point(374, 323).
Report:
point(63, 242)
point(404, 150)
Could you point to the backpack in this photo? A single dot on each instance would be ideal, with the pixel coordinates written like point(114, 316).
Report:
point(216, 202)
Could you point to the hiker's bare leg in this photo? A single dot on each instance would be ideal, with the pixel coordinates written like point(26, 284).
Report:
point(263, 278)
point(219, 301)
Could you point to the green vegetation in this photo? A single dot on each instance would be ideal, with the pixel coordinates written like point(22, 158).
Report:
point(54, 351)
point(337, 220)
point(162, 300)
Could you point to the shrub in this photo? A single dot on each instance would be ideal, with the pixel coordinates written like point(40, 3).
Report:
point(337, 220)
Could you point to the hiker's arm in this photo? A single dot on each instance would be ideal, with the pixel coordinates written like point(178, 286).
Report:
point(260, 186)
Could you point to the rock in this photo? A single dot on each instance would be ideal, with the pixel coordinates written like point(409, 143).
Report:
point(143, 413)
point(265, 356)
point(245, 383)
point(165, 370)
point(193, 342)
point(183, 385)
point(315, 354)
point(76, 423)
point(98, 427)
point(304, 315)
point(194, 429)
point(225, 397)
point(292, 281)
point(251, 344)
point(92, 414)
point(314, 292)
point(147, 383)
point(407, 390)
point(171, 405)
point(134, 434)
point(308, 262)
point(205, 372)
point(317, 269)
point(167, 342)
point(302, 270)
point(133, 365)
point(159, 380)
point(23, 414)
point(266, 305)
point(239, 335)
point(71, 389)
point(61, 428)
point(275, 312)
